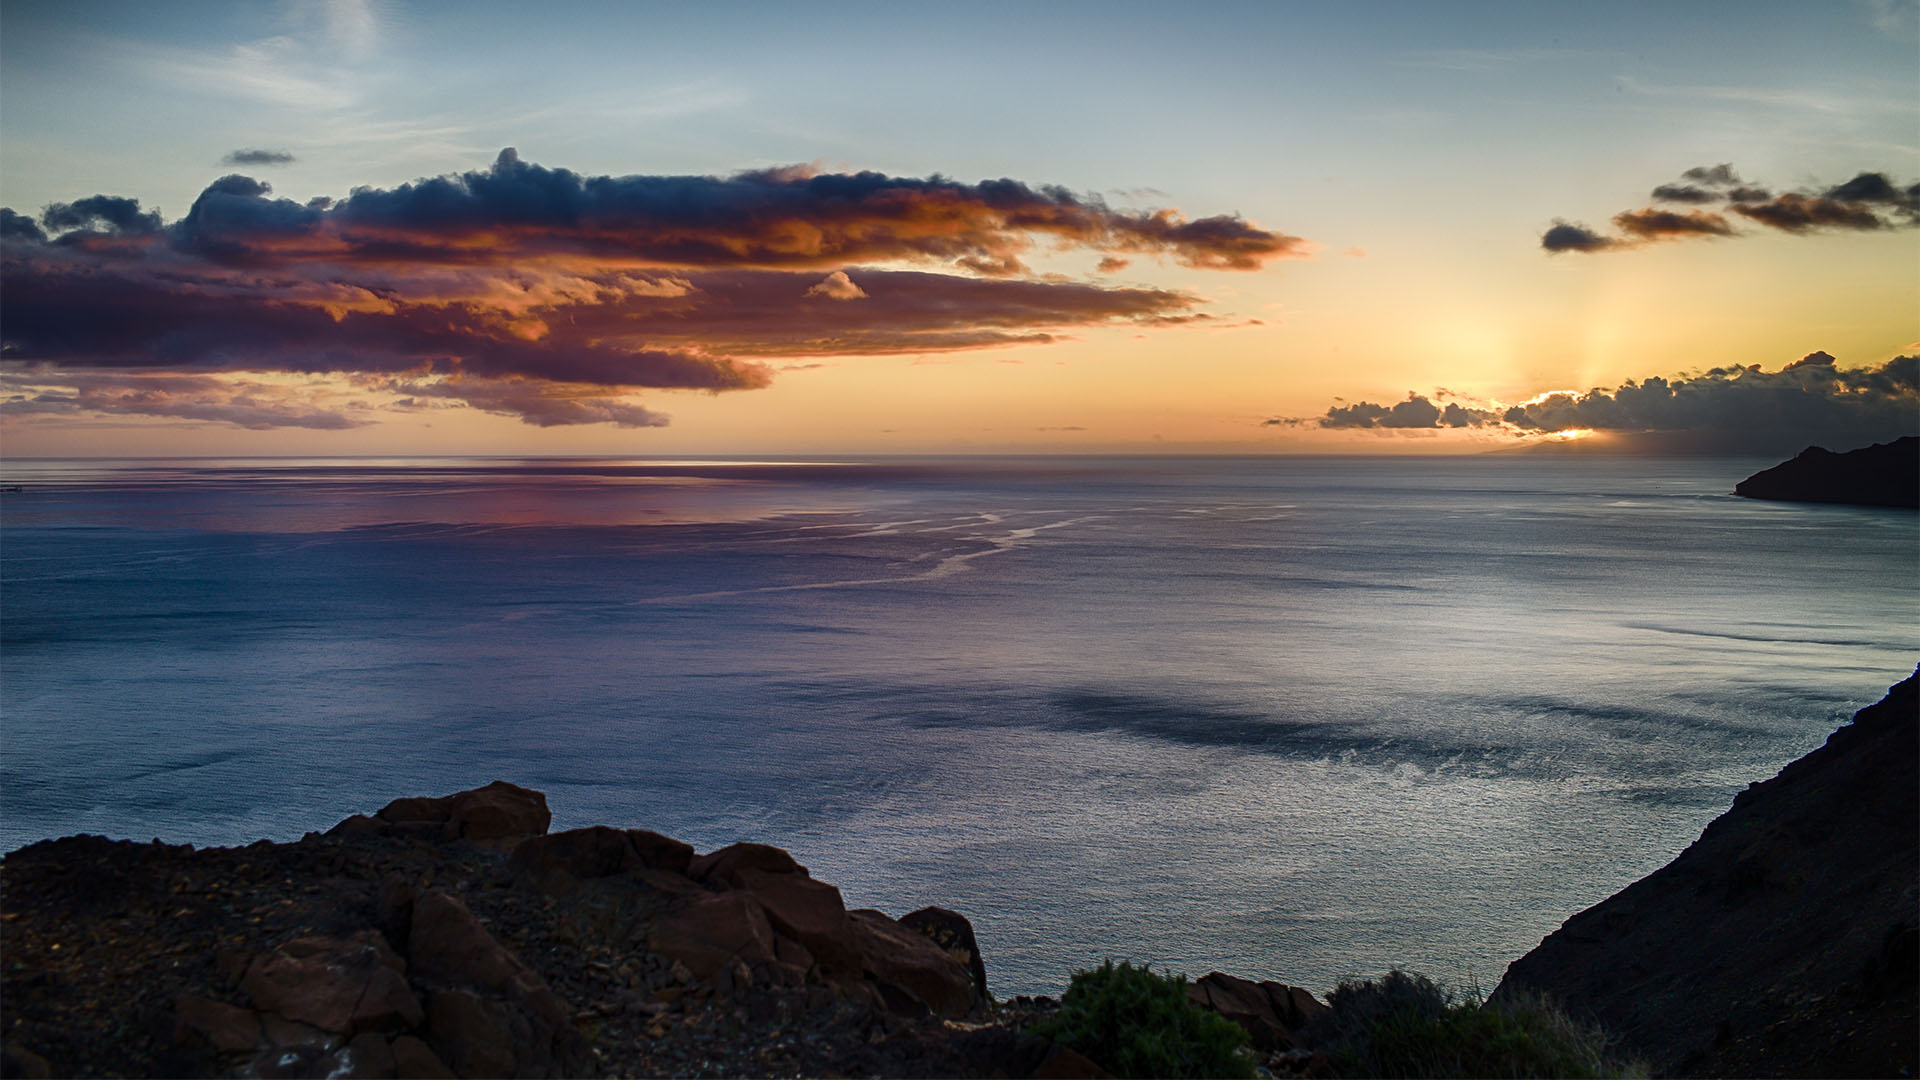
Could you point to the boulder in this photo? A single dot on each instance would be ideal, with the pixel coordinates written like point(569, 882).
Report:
point(661, 852)
point(709, 933)
point(499, 815)
point(1271, 1013)
point(951, 931)
point(367, 1057)
point(720, 868)
point(412, 1057)
point(904, 961)
point(487, 1006)
point(809, 912)
point(226, 1027)
point(599, 852)
point(335, 985)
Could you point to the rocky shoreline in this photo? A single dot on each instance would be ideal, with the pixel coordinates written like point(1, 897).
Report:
point(456, 936)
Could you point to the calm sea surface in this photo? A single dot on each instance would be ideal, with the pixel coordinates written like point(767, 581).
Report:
point(1295, 718)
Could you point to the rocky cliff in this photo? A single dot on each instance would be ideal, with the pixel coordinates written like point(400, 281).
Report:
point(456, 936)
point(1783, 941)
point(1885, 474)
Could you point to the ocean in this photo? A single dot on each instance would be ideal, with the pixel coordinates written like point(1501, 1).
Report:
point(1288, 717)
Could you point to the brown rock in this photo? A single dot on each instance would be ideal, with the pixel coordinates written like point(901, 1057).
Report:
point(413, 1058)
point(499, 815)
point(361, 825)
point(1064, 1064)
point(386, 1004)
point(792, 953)
point(1271, 1013)
point(470, 1034)
point(599, 852)
point(448, 944)
point(594, 852)
point(951, 931)
point(227, 1027)
point(324, 981)
point(708, 933)
point(367, 1057)
point(904, 960)
point(808, 911)
point(720, 867)
point(661, 852)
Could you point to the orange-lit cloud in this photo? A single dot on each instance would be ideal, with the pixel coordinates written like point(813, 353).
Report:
point(1869, 201)
point(551, 296)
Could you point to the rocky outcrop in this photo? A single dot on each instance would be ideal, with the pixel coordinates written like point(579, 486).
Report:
point(1885, 474)
point(455, 937)
point(1272, 1013)
point(1783, 941)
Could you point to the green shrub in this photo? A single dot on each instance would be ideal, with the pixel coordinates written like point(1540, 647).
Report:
point(1132, 1022)
point(1410, 1026)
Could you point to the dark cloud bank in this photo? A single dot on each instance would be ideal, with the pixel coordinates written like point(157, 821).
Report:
point(1868, 202)
point(1731, 410)
point(549, 295)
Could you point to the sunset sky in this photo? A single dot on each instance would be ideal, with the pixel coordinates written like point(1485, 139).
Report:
point(364, 228)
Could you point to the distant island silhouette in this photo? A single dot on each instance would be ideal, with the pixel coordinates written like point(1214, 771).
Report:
point(1884, 474)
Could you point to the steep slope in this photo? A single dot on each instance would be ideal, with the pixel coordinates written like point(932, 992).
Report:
point(1885, 474)
point(1783, 941)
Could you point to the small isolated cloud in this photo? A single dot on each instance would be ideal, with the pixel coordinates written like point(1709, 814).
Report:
point(1566, 236)
point(1113, 264)
point(1355, 253)
point(837, 286)
point(258, 157)
point(1869, 201)
point(1810, 401)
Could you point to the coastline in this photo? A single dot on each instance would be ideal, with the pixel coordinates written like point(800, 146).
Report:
point(166, 960)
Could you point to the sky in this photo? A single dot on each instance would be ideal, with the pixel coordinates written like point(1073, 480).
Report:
point(361, 227)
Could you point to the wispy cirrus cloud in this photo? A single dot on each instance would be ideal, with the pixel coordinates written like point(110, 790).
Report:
point(553, 296)
point(1870, 201)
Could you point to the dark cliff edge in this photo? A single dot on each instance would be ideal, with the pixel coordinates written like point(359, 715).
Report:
point(1783, 942)
point(1884, 474)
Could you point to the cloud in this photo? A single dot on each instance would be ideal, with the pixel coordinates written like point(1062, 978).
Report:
point(1415, 412)
point(107, 213)
point(1812, 400)
point(1798, 213)
point(19, 228)
point(785, 217)
point(1565, 236)
point(1869, 201)
point(1721, 175)
point(554, 297)
point(1653, 224)
point(238, 402)
point(837, 286)
point(258, 157)
point(540, 402)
